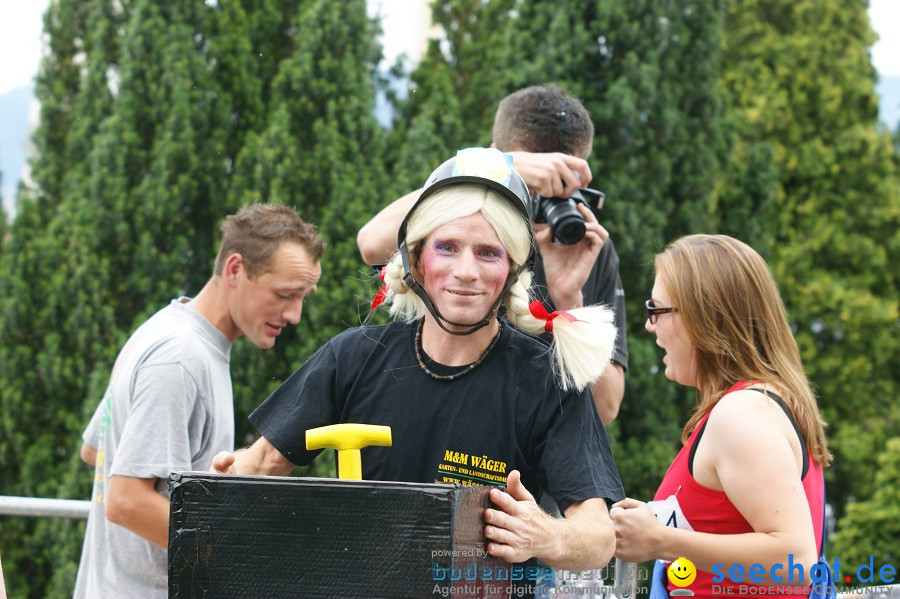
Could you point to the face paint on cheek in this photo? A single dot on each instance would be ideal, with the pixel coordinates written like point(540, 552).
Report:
point(424, 262)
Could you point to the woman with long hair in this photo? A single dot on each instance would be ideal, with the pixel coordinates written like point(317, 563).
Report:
point(747, 486)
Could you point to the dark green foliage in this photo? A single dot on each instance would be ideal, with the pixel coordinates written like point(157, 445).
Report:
point(649, 79)
point(3, 223)
point(427, 133)
point(455, 89)
point(147, 110)
point(801, 91)
point(50, 327)
point(477, 58)
point(872, 527)
point(318, 153)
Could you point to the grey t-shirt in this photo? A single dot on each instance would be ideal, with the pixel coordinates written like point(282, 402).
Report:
point(168, 407)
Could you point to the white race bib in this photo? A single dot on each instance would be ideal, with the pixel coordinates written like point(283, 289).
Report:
point(669, 513)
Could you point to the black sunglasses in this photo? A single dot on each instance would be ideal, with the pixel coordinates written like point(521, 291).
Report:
point(653, 311)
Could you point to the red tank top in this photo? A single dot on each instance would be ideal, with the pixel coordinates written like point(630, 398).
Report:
point(710, 511)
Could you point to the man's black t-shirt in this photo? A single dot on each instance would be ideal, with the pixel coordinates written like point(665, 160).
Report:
point(603, 286)
point(507, 413)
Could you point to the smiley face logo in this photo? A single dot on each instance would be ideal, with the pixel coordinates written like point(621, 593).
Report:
point(682, 572)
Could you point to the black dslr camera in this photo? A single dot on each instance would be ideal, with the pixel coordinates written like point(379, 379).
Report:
point(562, 214)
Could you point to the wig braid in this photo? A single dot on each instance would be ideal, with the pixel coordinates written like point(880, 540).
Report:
point(517, 301)
point(404, 304)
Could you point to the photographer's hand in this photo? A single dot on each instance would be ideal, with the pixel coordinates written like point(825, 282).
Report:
point(567, 267)
point(552, 174)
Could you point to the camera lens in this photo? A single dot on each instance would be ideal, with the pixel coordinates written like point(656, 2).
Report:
point(569, 230)
point(566, 222)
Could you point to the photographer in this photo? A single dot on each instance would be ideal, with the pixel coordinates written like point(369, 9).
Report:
point(549, 134)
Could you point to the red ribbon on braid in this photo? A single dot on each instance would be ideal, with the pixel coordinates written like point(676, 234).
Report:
point(538, 311)
point(382, 293)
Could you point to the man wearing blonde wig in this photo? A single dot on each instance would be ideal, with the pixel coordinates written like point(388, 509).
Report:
point(459, 385)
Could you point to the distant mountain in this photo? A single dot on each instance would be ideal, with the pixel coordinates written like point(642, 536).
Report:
point(888, 90)
point(13, 139)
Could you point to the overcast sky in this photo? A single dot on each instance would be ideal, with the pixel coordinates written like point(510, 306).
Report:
point(20, 35)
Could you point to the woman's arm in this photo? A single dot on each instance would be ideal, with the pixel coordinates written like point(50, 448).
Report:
point(750, 451)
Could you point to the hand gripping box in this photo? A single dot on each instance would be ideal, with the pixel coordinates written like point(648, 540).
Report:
point(261, 537)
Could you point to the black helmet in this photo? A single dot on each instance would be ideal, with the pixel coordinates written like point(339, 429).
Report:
point(490, 168)
point(478, 166)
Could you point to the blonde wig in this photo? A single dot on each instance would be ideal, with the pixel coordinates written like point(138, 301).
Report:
point(581, 350)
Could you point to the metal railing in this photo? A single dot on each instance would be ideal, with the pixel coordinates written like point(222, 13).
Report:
point(41, 508)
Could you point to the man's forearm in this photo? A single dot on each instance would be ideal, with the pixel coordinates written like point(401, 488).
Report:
point(135, 504)
point(608, 391)
point(587, 535)
point(377, 239)
point(262, 458)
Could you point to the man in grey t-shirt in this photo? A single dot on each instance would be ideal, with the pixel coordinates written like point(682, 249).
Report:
point(168, 405)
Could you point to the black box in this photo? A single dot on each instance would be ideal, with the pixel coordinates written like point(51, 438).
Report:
point(259, 537)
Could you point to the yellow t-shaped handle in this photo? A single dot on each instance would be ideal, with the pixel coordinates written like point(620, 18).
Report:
point(348, 439)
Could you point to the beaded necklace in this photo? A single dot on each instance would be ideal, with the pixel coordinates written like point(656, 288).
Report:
point(464, 371)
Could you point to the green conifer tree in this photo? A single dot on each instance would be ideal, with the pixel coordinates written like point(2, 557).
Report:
point(429, 129)
point(40, 362)
point(801, 91)
point(453, 92)
point(3, 219)
point(127, 180)
point(477, 52)
point(320, 152)
point(648, 77)
point(872, 526)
